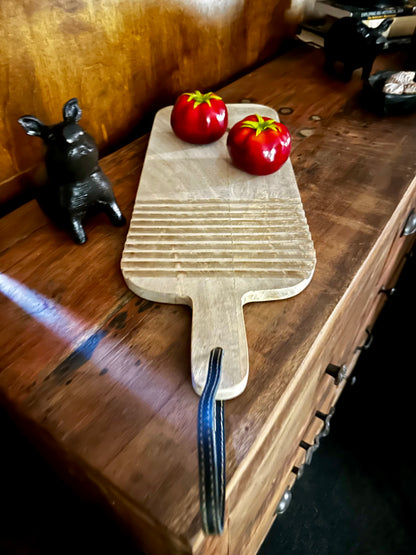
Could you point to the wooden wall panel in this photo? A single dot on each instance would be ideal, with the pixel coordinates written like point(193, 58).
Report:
point(122, 59)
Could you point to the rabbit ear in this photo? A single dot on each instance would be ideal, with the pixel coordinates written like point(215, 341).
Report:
point(32, 125)
point(72, 112)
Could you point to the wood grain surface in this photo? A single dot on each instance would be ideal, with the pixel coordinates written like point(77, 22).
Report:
point(122, 59)
point(206, 234)
point(100, 377)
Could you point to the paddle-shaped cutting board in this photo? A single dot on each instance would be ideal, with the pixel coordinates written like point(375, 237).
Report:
point(206, 234)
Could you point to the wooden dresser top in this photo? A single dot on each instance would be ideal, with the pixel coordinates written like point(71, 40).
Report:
point(101, 378)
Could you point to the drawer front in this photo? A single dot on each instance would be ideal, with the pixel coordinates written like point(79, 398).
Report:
point(375, 288)
point(291, 441)
point(256, 494)
point(349, 332)
point(401, 245)
point(404, 239)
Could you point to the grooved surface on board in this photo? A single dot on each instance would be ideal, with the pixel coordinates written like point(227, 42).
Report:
point(219, 239)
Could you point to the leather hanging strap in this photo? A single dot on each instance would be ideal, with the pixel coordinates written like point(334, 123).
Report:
point(211, 449)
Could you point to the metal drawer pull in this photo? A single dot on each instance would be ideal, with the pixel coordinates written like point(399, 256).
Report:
point(327, 421)
point(339, 373)
point(298, 470)
point(410, 225)
point(284, 502)
point(367, 342)
point(388, 292)
point(353, 380)
point(310, 449)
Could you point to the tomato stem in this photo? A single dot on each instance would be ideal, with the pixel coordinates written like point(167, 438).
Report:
point(199, 98)
point(261, 124)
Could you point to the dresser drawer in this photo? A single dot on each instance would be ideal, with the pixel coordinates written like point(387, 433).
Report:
point(351, 333)
point(348, 330)
point(405, 234)
point(291, 440)
point(256, 494)
point(333, 357)
point(403, 237)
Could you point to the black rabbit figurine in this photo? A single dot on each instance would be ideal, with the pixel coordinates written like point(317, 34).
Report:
point(75, 182)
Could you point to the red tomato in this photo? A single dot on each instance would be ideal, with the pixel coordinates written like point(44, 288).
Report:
point(199, 118)
point(259, 145)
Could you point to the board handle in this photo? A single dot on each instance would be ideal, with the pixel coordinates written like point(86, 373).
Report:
point(218, 320)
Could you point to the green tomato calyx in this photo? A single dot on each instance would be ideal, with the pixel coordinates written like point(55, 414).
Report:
point(261, 124)
point(200, 98)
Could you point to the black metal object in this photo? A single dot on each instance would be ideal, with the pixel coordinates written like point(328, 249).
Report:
point(355, 45)
point(368, 341)
point(284, 502)
point(76, 183)
point(299, 471)
point(410, 225)
point(327, 421)
point(310, 448)
point(339, 373)
point(388, 292)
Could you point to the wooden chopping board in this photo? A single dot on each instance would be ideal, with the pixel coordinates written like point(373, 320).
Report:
point(206, 234)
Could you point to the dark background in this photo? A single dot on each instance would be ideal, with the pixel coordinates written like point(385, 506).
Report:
point(358, 497)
